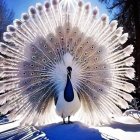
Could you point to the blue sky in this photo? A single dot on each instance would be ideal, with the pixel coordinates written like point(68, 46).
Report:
point(20, 6)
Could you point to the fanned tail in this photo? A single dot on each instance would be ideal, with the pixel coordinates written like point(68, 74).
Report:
point(36, 45)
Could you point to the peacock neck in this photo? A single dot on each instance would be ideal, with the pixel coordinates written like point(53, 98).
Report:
point(68, 92)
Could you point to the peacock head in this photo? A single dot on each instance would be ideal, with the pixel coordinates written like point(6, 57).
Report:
point(66, 68)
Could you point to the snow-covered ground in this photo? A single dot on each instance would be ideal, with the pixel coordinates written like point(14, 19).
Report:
point(73, 131)
point(123, 128)
point(121, 131)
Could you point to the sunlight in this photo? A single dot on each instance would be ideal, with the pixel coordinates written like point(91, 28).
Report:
point(68, 3)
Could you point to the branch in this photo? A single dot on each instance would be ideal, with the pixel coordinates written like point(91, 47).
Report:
point(116, 5)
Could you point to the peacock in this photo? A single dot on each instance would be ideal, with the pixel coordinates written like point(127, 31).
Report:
point(63, 60)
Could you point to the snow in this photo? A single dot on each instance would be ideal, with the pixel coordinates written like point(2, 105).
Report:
point(122, 131)
point(7, 126)
point(73, 131)
point(126, 127)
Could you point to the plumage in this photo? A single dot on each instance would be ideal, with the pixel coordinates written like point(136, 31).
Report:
point(47, 41)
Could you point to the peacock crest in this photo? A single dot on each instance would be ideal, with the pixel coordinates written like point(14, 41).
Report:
point(49, 39)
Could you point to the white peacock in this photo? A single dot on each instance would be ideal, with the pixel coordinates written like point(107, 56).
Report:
point(61, 55)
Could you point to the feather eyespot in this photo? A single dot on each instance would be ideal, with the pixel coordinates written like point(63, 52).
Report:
point(33, 48)
point(100, 89)
point(51, 39)
point(80, 3)
point(96, 58)
point(32, 10)
point(57, 43)
point(47, 5)
point(43, 60)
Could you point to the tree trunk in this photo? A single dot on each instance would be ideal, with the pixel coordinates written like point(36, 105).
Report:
point(136, 8)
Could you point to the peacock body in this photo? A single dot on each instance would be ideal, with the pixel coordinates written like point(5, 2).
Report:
point(61, 55)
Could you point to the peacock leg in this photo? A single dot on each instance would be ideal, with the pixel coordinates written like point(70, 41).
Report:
point(69, 120)
point(64, 121)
